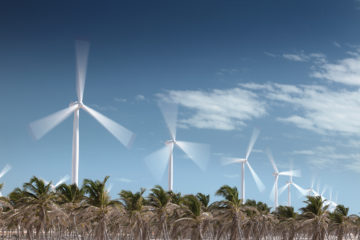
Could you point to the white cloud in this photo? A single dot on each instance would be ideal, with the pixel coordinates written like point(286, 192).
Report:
point(125, 180)
point(296, 57)
point(140, 97)
point(218, 109)
point(345, 71)
point(104, 108)
point(336, 44)
point(316, 107)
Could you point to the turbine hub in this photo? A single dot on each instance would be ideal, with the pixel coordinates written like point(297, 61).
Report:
point(172, 141)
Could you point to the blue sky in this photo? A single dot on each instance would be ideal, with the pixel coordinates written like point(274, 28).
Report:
point(289, 68)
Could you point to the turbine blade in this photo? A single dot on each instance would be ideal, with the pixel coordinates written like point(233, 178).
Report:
point(42, 126)
point(283, 188)
point(300, 189)
point(198, 152)
point(5, 170)
point(257, 180)
point(169, 111)
point(271, 158)
point(61, 181)
point(82, 53)
point(293, 173)
point(253, 138)
point(124, 135)
point(157, 162)
point(227, 161)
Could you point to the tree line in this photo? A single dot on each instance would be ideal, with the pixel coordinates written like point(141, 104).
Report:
point(38, 210)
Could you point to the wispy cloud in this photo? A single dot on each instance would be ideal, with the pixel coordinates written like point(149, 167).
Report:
point(345, 71)
point(336, 44)
point(104, 108)
point(296, 57)
point(232, 175)
point(139, 97)
point(124, 180)
point(120, 100)
point(218, 109)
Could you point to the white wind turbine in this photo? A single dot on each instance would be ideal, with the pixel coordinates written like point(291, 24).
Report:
point(6, 169)
point(41, 127)
point(245, 161)
point(157, 161)
point(61, 181)
point(274, 192)
point(288, 186)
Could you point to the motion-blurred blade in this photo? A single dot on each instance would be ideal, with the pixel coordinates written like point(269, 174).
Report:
point(157, 162)
point(253, 138)
point(282, 189)
point(124, 135)
point(169, 111)
point(257, 180)
point(227, 161)
point(271, 158)
point(82, 53)
point(5, 170)
point(109, 188)
point(198, 152)
point(300, 189)
point(62, 180)
point(294, 173)
point(42, 126)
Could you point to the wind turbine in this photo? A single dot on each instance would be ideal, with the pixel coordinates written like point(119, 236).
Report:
point(6, 169)
point(288, 186)
point(245, 161)
point(41, 127)
point(276, 174)
point(157, 161)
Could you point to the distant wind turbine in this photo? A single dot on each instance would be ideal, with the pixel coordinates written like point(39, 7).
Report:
point(245, 161)
point(157, 161)
point(41, 127)
point(276, 174)
point(61, 181)
point(288, 186)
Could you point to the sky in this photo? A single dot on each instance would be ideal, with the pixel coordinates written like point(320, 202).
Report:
point(288, 68)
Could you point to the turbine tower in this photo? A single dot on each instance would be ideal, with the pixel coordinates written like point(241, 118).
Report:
point(157, 161)
point(276, 174)
point(245, 161)
point(40, 127)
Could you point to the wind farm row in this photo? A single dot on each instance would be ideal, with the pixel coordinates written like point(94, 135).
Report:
point(163, 158)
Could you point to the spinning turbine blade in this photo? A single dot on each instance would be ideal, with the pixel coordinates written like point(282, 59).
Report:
point(258, 182)
point(271, 158)
point(82, 53)
point(253, 138)
point(42, 126)
point(157, 162)
point(198, 152)
point(61, 181)
point(283, 188)
point(5, 170)
point(293, 173)
point(121, 133)
point(300, 189)
point(169, 111)
point(227, 161)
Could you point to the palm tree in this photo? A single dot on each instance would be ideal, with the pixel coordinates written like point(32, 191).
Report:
point(193, 217)
point(98, 206)
point(340, 220)
point(162, 207)
point(231, 211)
point(315, 217)
point(70, 199)
point(136, 212)
point(287, 221)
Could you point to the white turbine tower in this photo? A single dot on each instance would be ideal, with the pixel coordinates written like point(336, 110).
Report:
point(276, 174)
point(245, 161)
point(41, 127)
point(6, 169)
point(288, 186)
point(157, 161)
